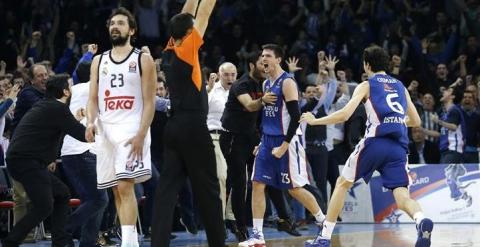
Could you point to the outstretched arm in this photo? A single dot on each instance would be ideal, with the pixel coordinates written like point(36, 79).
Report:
point(190, 7)
point(203, 15)
point(361, 92)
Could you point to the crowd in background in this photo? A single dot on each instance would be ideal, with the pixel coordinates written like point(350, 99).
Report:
point(434, 46)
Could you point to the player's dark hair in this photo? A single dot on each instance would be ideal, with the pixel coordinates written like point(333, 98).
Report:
point(132, 23)
point(179, 25)
point(55, 86)
point(377, 58)
point(253, 57)
point(277, 50)
point(458, 93)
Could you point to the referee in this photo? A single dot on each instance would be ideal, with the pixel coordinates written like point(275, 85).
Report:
point(35, 144)
point(189, 149)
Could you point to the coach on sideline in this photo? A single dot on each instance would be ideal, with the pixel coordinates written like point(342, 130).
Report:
point(34, 145)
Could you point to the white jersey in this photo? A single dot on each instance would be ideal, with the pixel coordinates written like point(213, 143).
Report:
point(120, 97)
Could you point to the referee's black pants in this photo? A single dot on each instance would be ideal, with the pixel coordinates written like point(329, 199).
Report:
point(188, 151)
point(48, 195)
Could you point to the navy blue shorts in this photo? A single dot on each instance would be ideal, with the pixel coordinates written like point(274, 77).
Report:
point(288, 172)
point(385, 155)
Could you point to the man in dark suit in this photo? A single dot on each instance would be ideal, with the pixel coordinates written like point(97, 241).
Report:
point(422, 151)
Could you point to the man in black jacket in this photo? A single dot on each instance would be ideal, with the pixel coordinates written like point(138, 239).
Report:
point(35, 144)
point(422, 151)
point(31, 93)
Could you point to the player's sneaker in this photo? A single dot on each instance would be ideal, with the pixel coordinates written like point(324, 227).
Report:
point(424, 231)
point(256, 240)
point(317, 242)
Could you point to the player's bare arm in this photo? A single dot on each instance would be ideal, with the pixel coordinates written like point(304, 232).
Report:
point(442, 123)
point(432, 133)
point(92, 105)
point(190, 7)
point(361, 92)
point(290, 93)
point(203, 15)
point(413, 119)
point(149, 77)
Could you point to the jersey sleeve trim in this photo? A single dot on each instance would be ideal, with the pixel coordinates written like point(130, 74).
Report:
point(140, 62)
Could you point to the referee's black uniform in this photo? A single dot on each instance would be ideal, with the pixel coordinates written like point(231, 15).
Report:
point(189, 149)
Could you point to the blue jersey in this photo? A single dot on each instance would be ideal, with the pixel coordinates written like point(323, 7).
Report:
point(453, 140)
point(275, 117)
point(386, 108)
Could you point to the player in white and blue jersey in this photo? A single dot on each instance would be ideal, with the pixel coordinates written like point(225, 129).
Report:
point(384, 147)
point(280, 161)
point(453, 127)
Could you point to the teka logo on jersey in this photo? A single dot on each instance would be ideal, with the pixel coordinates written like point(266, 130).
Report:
point(118, 102)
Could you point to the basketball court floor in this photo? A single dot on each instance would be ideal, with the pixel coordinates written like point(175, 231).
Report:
point(352, 235)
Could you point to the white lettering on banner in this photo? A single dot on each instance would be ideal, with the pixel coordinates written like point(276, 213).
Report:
point(455, 201)
point(119, 103)
point(419, 181)
point(399, 120)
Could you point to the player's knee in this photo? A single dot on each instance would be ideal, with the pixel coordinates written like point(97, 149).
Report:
point(258, 186)
point(343, 183)
point(125, 189)
point(402, 196)
point(294, 191)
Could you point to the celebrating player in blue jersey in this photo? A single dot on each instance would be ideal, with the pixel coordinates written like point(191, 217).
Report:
point(384, 147)
point(280, 161)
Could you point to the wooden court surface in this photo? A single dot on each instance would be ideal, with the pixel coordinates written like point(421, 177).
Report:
point(383, 235)
point(348, 235)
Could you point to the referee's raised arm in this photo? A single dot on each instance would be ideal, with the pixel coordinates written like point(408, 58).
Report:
point(190, 7)
point(203, 15)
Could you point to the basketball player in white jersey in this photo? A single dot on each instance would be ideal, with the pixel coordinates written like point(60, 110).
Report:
point(122, 93)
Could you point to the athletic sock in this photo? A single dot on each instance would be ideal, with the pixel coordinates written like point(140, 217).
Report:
point(327, 229)
point(418, 217)
point(319, 217)
point(134, 237)
point(258, 225)
point(127, 235)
